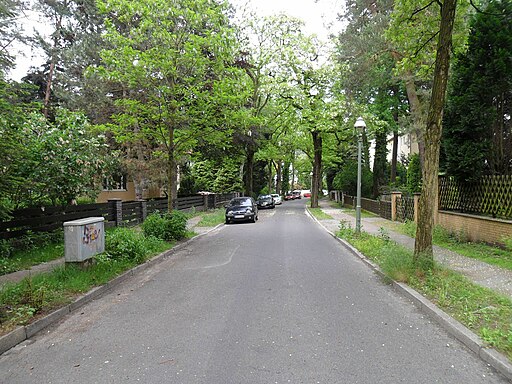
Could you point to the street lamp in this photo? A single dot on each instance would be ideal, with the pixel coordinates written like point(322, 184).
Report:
point(360, 125)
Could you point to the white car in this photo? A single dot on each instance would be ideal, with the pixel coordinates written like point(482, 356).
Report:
point(277, 199)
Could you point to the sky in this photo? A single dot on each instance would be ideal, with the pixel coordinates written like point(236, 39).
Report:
point(317, 15)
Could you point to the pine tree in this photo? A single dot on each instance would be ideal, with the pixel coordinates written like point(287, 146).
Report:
point(478, 136)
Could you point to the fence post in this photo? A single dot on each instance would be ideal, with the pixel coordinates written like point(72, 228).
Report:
point(394, 197)
point(416, 204)
point(117, 205)
point(143, 209)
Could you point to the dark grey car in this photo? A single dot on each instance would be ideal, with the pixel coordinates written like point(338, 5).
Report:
point(241, 209)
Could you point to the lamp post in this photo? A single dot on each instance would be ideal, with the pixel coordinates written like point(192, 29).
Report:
point(360, 125)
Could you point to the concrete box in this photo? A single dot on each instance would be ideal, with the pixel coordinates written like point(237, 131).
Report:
point(83, 239)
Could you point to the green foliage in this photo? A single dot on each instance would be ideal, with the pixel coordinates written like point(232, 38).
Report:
point(124, 243)
point(414, 174)
point(477, 127)
point(57, 162)
point(212, 218)
point(9, 32)
point(346, 180)
point(173, 68)
point(168, 226)
point(217, 176)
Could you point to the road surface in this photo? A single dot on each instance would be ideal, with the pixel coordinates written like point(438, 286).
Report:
point(278, 301)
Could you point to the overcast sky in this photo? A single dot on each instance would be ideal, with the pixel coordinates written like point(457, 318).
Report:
point(317, 15)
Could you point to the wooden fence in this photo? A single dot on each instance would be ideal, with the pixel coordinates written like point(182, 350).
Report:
point(115, 212)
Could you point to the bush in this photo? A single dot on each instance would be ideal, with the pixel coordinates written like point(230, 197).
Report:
point(168, 227)
point(124, 243)
point(154, 225)
point(32, 240)
point(5, 249)
point(414, 174)
point(346, 180)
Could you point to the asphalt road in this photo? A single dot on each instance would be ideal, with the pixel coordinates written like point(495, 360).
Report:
point(278, 301)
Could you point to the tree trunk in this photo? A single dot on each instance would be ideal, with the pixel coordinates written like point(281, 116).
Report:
point(379, 162)
point(286, 177)
point(279, 177)
point(317, 168)
point(48, 91)
point(394, 157)
point(249, 168)
point(414, 103)
point(270, 173)
point(171, 172)
point(423, 254)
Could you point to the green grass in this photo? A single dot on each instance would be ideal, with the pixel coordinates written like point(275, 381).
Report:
point(319, 214)
point(212, 218)
point(456, 243)
point(364, 214)
point(480, 309)
point(26, 259)
point(23, 302)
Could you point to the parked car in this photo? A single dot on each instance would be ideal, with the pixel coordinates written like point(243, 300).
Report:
point(288, 196)
point(297, 194)
point(265, 201)
point(241, 209)
point(306, 193)
point(277, 199)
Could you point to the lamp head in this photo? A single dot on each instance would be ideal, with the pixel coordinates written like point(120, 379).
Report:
point(360, 125)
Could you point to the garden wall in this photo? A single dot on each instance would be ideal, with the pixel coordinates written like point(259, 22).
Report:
point(476, 228)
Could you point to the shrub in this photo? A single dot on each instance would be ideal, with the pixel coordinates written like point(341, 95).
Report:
point(124, 243)
point(5, 249)
point(154, 225)
point(176, 225)
point(169, 226)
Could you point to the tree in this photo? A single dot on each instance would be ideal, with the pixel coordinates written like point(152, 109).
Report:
point(14, 152)
point(67, 159)
point(369, 74)
point(423, 253)
point(169, 58)
point(477, 134)
point(10, 32)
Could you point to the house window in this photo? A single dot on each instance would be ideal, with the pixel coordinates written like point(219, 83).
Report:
point(115, 183)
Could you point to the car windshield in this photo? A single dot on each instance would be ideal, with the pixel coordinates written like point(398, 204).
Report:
point(245, 202)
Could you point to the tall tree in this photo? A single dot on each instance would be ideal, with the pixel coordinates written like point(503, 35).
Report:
point(10, 33)
point(370, 67)
point(423, 252)
point(169, 57)
point(477, 134)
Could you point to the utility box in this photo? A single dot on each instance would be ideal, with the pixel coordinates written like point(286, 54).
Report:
point(83, 239)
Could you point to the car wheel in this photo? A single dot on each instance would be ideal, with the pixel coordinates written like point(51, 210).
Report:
point(227, 221)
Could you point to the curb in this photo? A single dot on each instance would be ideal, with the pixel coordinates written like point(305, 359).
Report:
point(23, 333)
point(489, 355)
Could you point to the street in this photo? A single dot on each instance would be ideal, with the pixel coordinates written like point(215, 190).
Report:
point(278, 301)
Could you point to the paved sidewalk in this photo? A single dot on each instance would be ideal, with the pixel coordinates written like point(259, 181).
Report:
point(481, 273)
point(46, 267)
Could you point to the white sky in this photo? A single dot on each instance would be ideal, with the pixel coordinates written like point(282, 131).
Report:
point(319, 17)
